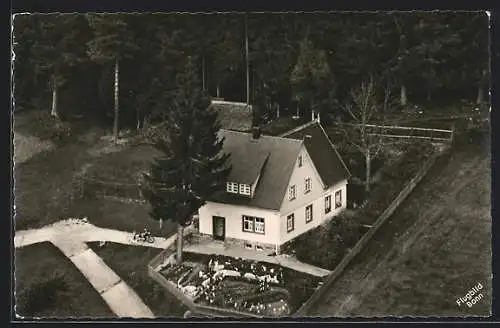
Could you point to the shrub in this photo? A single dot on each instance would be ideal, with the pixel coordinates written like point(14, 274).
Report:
point(42, 293)
point(329, 242)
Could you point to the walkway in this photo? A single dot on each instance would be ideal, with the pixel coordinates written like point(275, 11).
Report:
point(289, 262)
point(70, 236)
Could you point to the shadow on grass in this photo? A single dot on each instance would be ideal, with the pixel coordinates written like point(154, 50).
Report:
point(130, 263)
point(49, 285)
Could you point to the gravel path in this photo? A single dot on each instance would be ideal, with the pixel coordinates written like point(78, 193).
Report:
point(71, 236)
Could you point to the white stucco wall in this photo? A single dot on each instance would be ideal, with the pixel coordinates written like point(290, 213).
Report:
point(315, 197)
point(297, 178)
point(233, 215)
point(319, 216)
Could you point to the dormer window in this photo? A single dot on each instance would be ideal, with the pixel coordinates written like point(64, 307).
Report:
point(245, 189)
point(232, 187)
point(238, 188)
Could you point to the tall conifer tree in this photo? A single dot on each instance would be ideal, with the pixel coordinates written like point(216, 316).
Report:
point(192, 167)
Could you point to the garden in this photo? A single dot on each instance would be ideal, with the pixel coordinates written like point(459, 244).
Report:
point(333, 240)
point(394, 178)
point(246, 286)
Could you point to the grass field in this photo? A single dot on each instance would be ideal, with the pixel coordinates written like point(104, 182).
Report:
point(36, 265)
point(130, 263)
point(434, 249)
point(43, 183)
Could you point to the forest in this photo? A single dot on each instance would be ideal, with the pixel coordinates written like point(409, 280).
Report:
point(122, 67)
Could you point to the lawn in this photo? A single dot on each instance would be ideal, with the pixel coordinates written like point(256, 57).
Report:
point(433, 250)
point(130, 263)
point(115, 214)
point(49, 285)
point(44, 185)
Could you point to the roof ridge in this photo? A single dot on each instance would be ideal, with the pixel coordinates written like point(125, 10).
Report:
point(265, 136)
point(303, 126)
point(334, 148)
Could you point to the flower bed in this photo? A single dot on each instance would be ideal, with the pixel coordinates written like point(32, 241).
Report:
point(242, 285)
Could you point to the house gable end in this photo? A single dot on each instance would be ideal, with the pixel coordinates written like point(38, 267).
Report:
point(297, 178)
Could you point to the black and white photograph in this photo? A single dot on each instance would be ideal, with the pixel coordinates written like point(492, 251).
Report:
point(251, 165)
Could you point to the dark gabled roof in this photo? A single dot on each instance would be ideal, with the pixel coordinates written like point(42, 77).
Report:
point(273, 157)
point(325, 157)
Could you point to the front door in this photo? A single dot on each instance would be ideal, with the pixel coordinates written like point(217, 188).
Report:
point(219, 227)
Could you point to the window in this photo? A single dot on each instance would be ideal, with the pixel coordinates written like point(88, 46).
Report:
point(253, 224)
point(235, 188)
point(232, 187)
point(309, 213)
point(259, 225)
point(300, 161)
point(247, 223)
point(328, 204)
point(244, 189)
point(308, 185)
point(338, 198)
point(291, 193)
point(290, 223)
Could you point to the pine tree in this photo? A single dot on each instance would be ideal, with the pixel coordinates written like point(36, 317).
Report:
point(113, 41)
point(57, 47)
point(310, 75)
point(192, 167)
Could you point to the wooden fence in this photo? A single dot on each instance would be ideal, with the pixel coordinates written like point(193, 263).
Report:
point(121, 191)
point(204, 310)
point(366, 238)
point(407, 132)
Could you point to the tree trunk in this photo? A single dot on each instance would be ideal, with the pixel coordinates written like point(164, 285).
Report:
point(298, 112)
point(218, 90)
point(138, 118)
point(480, 95)
point(247, 61)
point(278, 111)
point(161, 224)
point(54, 112)
point(203, 72)
point(403, 98)
point(117, 108)
point(368, 170)
point(180, 240)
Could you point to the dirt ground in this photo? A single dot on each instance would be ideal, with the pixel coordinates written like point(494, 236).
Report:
point(435, 248)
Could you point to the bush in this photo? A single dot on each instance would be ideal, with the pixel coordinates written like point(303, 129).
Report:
point(330, 242)
point(396, 176)
point(42, 293)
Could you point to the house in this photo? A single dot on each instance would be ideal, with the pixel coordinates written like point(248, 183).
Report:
point(279, 187)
